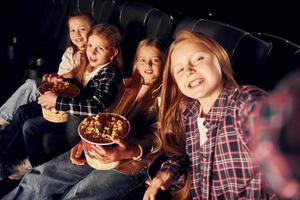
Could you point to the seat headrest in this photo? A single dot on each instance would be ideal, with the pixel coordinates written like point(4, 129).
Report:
point(154, 22)
point(101, 10)
point(138, 21)
point(283, 59)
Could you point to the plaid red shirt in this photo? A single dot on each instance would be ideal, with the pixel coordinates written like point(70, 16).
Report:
point(223, 167)
point(277, 135)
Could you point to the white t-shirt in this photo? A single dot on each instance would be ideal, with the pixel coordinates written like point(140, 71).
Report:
point(202, 130)
point(67, 62)
point(89, 75)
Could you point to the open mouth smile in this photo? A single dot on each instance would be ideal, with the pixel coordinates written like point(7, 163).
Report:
point(148, 72)
point(196, 82)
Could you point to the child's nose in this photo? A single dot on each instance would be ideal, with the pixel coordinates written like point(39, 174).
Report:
point(148, 64)
point(189, 71)
point(78, 33)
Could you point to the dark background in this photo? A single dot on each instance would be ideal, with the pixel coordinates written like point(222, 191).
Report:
point(18, 18)
point(280, 18)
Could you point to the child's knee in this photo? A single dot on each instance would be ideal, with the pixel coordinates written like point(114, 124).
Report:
point(28, 128)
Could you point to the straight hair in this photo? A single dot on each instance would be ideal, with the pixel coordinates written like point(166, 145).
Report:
point(135, 82)
point(170, 122)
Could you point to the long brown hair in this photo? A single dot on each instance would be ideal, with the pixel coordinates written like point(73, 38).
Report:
point(113, 36)
point(134, 83)
point(171, 132)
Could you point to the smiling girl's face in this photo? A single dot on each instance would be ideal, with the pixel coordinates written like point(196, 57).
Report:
point(148, 64)
point(79, 27)
point(196, 71)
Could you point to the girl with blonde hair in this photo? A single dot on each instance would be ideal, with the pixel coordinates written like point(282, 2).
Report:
point(69, 177)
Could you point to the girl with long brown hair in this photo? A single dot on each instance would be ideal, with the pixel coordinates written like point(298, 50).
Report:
point(204, 117)
point(72, 178)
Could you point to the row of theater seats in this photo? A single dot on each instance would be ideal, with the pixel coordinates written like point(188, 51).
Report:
point(254, 56)
point(257, 58)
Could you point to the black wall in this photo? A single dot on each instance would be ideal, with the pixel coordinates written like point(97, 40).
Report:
point(280, 18)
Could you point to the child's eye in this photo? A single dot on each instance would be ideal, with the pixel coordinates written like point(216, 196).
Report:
point(141, 60)
point(198, 58)
point(100, 49)
point(156, 60)
point(72, 30)
point(83, 29)
point(179, 70)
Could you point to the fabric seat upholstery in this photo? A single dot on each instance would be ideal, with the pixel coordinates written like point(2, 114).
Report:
point(138, 21)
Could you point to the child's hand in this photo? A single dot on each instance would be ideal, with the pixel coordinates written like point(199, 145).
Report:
point(162, 181)
point(48, 100)
point(52, 78)
point(79, 57)
point(119, 151)
point(68, 75)
point(75, 154)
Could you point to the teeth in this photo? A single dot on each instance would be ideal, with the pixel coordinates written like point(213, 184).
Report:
point(148, 72)
point(196, 82)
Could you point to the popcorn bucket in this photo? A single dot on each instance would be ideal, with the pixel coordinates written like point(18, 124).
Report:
point(65, 89)
point(55, 116)
point(100, 130)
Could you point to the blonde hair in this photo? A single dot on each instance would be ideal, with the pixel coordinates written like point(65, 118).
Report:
point(134, 83)
point(113, 36)
point(170, 124)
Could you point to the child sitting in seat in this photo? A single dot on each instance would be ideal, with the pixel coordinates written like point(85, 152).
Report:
point(204, 118)
point(72, 178)
point(79, 24)
point(101, 79)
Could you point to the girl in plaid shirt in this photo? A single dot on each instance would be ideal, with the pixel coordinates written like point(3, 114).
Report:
point(204, 114)
point(101, 80)
point(69, 177)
